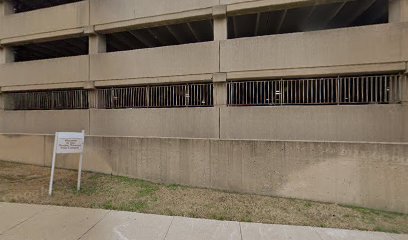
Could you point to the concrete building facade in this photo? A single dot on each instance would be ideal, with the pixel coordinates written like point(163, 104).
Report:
point(225, 70)
point(96, 44)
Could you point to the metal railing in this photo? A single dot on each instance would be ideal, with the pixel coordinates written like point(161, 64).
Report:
point(168, 96)
point(46, 100)
point(376, 89)
point(115, 98)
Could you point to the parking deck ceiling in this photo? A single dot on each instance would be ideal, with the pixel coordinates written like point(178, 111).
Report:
point(53, 49)
point(318, 17)
point(182, 33)
point(28, 5)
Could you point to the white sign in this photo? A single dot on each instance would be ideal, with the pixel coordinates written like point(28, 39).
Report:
point(70, 142)
point(65, 143)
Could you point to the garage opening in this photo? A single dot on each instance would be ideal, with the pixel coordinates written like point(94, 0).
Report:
point(311, 18)
point(29, 5)
point(52, 49)
point(167, 35)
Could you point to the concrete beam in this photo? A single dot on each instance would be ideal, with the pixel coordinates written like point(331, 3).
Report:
point(220, 23)
point(333, 15)
point(97, 44)
point(174, 34)
point(281, 21)
point(193, 32)
point(398, 10)
point(142, 39)
point(359, 11)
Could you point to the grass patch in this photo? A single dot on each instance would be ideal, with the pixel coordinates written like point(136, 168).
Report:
point(147, 189)
point(382, 229)
point(175, 187)
point(126, 194)
point(368, 212)
point(308, 205)
point(133, 206)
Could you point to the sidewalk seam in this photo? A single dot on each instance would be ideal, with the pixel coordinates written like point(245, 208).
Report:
point(94, 224)
point(240, 230)
point(32, 216)
point(168, 229)
point(318, 233)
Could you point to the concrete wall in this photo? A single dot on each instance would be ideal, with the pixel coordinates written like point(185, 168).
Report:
point(371, 123)
point(28, 149)
point(64, 17)
point(186, 59)
point(45, 122)
point(337, 47)
point(50, 71)
point(363, 174)
point(161, 122)
point(368, 123)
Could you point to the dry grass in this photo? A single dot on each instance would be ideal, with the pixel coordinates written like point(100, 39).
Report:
point(28, 184)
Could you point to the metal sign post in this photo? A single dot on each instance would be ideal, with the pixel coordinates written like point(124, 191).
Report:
point(68, 143)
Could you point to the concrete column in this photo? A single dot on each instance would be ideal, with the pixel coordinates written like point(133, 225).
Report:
point(2, 105)
point(398, 11)
point(220, 89)
point(97, 44)
point(6, 55)
point(6, 8)
point(92, 96)
point(220, 23)
point(404, 89)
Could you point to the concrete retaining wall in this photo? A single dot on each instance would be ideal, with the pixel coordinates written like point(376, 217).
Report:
point(370, 175)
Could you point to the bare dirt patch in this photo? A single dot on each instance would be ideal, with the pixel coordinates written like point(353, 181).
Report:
point(29, 184)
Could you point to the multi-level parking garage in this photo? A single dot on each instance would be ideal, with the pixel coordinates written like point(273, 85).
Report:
point(213, 93)
point(235, 69)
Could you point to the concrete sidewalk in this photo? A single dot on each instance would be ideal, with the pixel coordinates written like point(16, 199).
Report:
point(34, 222)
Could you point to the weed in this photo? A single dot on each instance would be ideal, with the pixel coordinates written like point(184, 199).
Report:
point(108, 205)
point(368, 211)
point(147, 189)
point(308, 205)
point(134, 206)
point(174, 187)
point(383, 229)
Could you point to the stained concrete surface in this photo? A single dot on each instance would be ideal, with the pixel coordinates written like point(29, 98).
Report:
point(23, 221)
point(371, 175)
